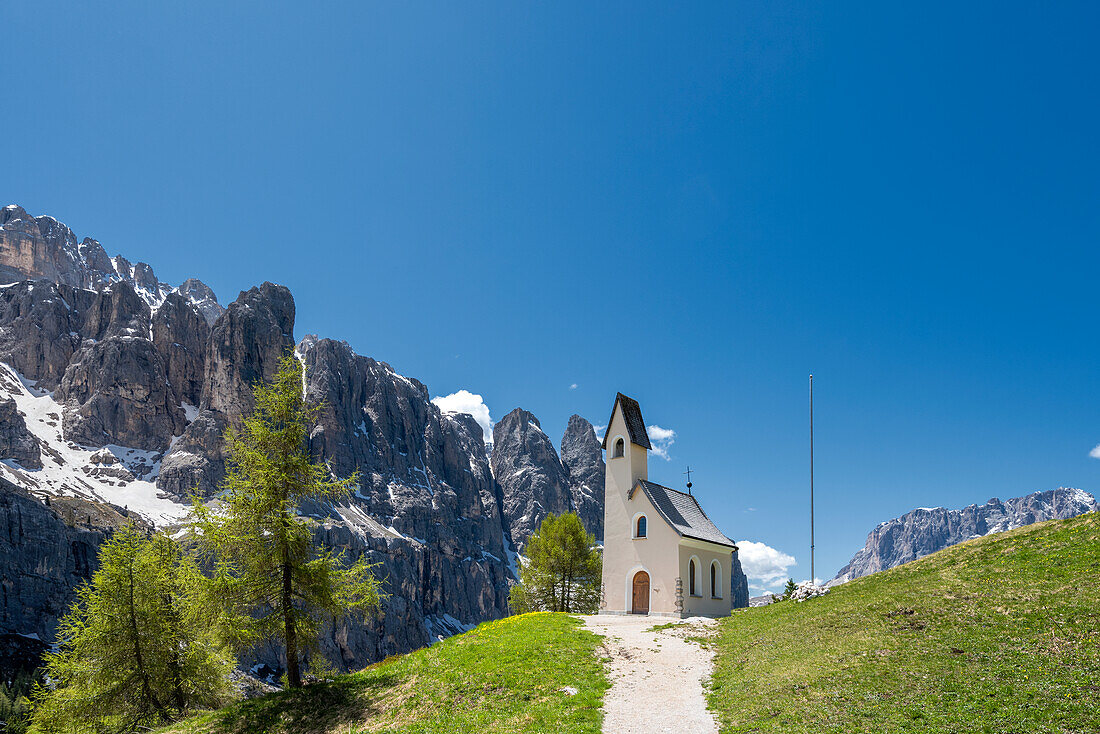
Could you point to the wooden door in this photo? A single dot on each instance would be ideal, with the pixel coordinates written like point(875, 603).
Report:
point(640, 602)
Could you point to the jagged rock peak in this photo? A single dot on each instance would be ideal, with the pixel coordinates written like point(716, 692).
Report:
point(16, 442)
point(583, 460)
point(42, 248)
point(115, 388)
point(929, 529)
point(246, 344)
point(202, 297)
point(533, 480)
point(244, 347)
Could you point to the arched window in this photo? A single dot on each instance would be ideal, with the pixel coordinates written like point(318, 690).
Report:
point(620, 449)
point(691, 577)
point(640, 527)
point(715, 580)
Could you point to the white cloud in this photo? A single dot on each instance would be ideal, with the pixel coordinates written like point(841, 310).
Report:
point(598, 430)
point(1095, 453)
point(573, 386)
point(766, 567)
point(662, 440)
point(465, 401)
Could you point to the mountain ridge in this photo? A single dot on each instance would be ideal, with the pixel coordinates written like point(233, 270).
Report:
point(43, 248)
point(925, 530)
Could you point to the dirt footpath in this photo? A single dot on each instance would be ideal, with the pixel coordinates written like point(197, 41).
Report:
point(656, 676)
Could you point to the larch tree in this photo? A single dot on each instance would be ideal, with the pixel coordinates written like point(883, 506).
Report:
point(270, 581)
point(561, 571)
point(132, 652)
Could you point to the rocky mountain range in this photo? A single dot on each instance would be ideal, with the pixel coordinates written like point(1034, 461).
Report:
point(535, 482)
point(42, 248)
point(116, 390)
point(929, 529)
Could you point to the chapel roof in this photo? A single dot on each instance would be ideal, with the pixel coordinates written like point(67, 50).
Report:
point(632, 414)
point(682, 511)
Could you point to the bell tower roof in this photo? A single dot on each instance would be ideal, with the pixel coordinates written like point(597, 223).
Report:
point(632, 416)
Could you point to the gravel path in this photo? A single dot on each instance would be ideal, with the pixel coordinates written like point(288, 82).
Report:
point(656, 676)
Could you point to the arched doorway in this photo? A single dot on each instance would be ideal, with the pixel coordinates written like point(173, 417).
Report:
point(640, 596)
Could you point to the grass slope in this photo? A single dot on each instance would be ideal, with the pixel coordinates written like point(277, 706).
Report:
point(503, 676)
point(998, 634)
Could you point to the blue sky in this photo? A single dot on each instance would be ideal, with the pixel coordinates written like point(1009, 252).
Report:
point(696, 206)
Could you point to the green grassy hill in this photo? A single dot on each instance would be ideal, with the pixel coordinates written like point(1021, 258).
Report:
point(504, 676)
point(998, 634)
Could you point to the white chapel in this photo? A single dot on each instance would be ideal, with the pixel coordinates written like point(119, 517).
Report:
point(662, 555)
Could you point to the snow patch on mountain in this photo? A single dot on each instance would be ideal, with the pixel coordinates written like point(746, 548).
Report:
point(117, 475)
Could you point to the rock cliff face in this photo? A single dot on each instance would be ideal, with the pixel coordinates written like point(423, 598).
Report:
point(17, 443)
point(532, 477)
point(244, 346)
point(927, 530)
point(739, 584)
point(42, 248)
point(583, 460)
point(202, 298)
point(181, 335)
point(420, 509)
point(535, 482)
point(115, 393)
point(115, 389)
point(40, 328)
point(45, 553)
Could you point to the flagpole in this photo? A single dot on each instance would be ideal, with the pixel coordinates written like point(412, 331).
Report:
point(812, 576)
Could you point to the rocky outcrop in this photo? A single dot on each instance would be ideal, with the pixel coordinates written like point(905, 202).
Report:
point(739, 584)
point(40, 327)
point(42, 248)
point(181, 335)
point(533, 481)
point(116, 392)
point(16, 442)
point(927, 530)
point(245, 346)
point(46, 552)
point(583, 460)
point(115, 388)
point(419, 510)
point(202, 298)
point(116, 311)
point(37, 248)
point(471, 440)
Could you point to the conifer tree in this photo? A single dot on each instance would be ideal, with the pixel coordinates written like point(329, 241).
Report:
point(270, 581)
point(15, 706)
point(562, 569)
point(131, 651)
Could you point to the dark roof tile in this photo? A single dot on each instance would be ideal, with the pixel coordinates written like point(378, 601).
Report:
point(632, 414)
point(682, 511)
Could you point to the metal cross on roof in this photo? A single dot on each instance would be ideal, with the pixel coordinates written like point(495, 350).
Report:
point(688, 472)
